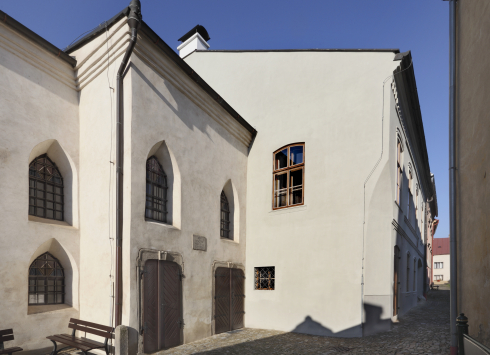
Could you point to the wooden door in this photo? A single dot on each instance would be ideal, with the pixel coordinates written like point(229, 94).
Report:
point(396, 281)
point(229, 293)
point(162, 305)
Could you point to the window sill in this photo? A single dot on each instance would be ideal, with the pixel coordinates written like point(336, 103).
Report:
point(290, 209)
point(226, 240)
point(52, 222)
point(163, 224)
point(31, 309)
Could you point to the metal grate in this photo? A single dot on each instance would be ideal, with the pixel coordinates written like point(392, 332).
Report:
point(225, 217)
point(46, 281)
point(156, 191)
point(45, 189)
point(265, 278)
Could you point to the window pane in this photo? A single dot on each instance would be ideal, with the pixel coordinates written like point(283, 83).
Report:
point(33, 299)
point(280, 199)
point(59, 216)
point(40, 185)
point(40, 194)
point(40, 212)
point(59, 298)
point(296, 155)
point(281, 159)
point(50, 298)
point(296, 196)
point(296, 178)
point(280, 181)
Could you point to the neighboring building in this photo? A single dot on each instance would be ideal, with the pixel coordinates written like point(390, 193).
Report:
point(349, 254)
point(325, 211)
point(441, 261)
point(472, 163)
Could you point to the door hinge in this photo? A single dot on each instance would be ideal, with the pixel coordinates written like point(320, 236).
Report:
point(143, 328)
point(181, 323)
point(142, 272)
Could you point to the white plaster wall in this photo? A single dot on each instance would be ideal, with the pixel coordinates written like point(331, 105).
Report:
point(37, 104)
point(208, 158)
point(333, 102)
point(445, 271)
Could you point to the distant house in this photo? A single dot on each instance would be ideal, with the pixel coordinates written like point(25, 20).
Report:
point(441, 261)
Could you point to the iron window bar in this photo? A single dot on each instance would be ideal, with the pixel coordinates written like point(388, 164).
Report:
point(156, 191)
point(46, 198)
point(46, 281)
point(225, 231)
point(265, 278)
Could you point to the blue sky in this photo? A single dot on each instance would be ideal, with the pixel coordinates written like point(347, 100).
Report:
point(417, 25)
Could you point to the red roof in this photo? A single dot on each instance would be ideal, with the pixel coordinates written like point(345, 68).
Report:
point(440, 246)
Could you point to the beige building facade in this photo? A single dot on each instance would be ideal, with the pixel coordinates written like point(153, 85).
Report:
point(318, 204)
point(472, 159)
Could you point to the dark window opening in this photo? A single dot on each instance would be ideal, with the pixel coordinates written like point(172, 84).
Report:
point(225, 217)
point(265, 278)
point(46, 281)
point(156, 191)
point(45, 189)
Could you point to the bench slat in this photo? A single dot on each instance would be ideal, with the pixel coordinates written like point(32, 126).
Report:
point(6, 332)
point(70, 342)
point(6, 338)
point(84, 340)
point(92, 325)
point(91, 331)
point(10, 350)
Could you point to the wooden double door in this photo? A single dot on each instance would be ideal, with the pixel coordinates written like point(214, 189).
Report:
point(229, 294)
point(162, 305)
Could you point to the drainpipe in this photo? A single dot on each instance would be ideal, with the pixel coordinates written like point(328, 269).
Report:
point(452, 173)
point(134, 21)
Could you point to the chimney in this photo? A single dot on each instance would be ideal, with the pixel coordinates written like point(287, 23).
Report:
point(195, 39)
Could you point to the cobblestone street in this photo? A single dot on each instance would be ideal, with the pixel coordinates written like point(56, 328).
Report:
point(424, 330)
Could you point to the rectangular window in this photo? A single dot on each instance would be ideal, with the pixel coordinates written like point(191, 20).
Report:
point(438, 278)
point(288, 176)
point(439, 265)
point(410, 195)
point(264, 277)
point(398, 172)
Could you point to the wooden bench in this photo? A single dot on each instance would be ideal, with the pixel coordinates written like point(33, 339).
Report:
point(83, 344)
point(6, 335)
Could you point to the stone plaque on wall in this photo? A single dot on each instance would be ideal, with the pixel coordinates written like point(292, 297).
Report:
point(199, 243)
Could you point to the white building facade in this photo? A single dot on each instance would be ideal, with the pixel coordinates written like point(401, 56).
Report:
point(318, 218)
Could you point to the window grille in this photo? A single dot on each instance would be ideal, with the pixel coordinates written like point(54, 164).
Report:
point(288, 176)
point(438, 265)
point(156, 191)
point(225, 217)
point(46, 281)
point(438, 277)
point(398, 171)
point(264, 278)
point(45, 189)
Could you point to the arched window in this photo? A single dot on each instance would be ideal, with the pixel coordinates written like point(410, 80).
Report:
point(398, 170)
point(414, 274)
point(46, 281)
point(288, 176)
point(156, 191)
point(408, 272)
point(45, 189)
point(225, 217)
point(410, 194)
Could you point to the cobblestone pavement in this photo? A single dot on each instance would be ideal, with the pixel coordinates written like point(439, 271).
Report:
point(423, 330)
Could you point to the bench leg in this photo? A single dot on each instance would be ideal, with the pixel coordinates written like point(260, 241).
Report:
point(106, 348)
point(54, 352)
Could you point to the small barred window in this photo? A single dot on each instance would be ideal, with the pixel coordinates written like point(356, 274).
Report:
point(264, 278)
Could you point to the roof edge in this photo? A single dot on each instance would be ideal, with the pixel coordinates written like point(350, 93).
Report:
point(31, 35)
point(97, 31)
point(194, 76)
point(392, 50)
